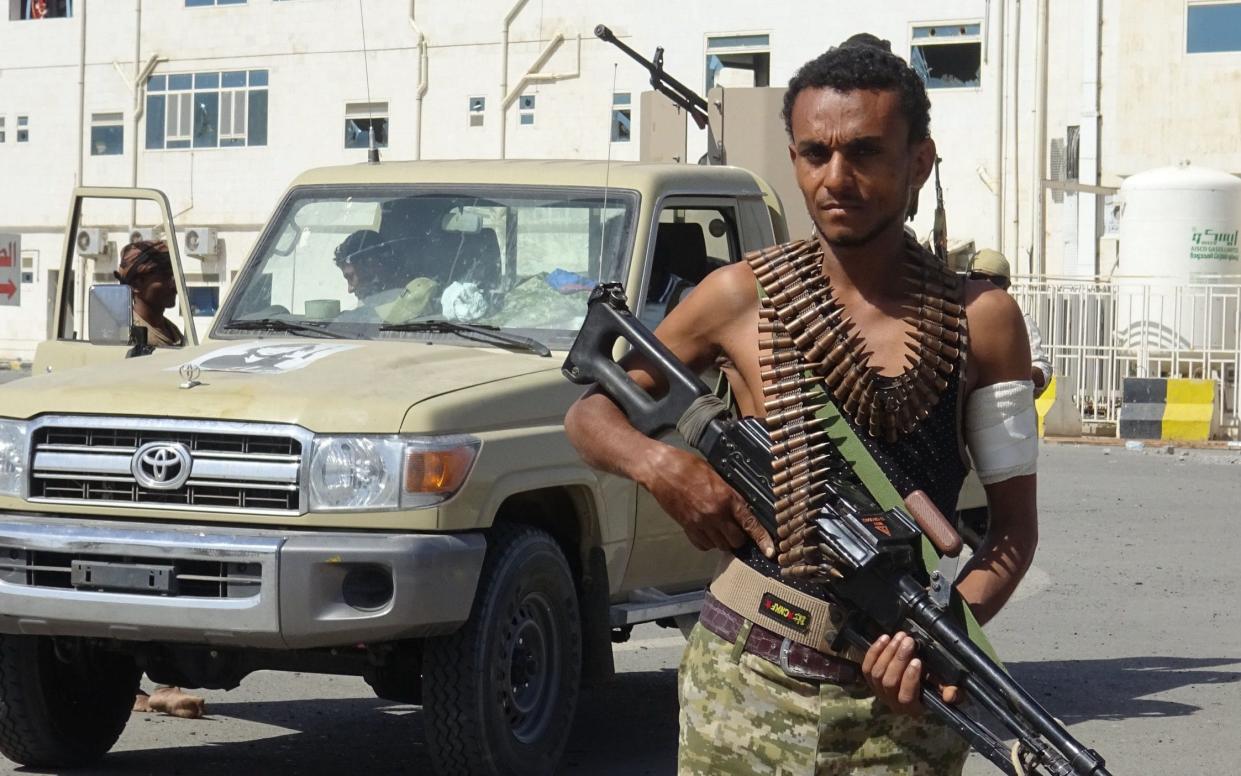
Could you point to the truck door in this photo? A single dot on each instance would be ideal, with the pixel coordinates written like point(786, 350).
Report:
point(91, 311)
point(691, 237)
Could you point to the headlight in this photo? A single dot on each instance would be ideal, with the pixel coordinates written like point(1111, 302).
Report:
point(364, 473)
point(12, 458)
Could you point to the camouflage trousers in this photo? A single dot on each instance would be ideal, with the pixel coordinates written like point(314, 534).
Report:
point(743, 716)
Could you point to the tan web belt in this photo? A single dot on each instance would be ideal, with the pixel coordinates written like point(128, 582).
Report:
point(779, 608)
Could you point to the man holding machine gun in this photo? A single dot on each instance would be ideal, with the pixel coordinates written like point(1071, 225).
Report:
point(882, 327)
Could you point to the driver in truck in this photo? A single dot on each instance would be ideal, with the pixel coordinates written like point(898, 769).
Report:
point(373, 271)
point(146, 268)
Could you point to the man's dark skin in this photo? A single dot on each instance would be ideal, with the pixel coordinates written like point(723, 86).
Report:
point(154, 290)
point(857, 169)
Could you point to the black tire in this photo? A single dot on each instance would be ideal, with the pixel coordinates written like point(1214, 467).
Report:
point(58, 714)
point(500, 694)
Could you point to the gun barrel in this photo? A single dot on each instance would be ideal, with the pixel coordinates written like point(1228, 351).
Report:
point(986, 680)
point(693, 103)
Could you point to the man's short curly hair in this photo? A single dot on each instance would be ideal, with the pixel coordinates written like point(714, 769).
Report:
point(864, 62)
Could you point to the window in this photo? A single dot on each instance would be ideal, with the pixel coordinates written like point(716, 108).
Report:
point(522, 257)
point(196, 3)
point(525, 109)
point(691, 241)
point(207, 110)
point(738, 60)
point(360, 119)
point(23, 129)
point(1213, 27)
point(204, 300)
point(477, 106)
point(948, 56)
point(1072, 155)
point(107, 134)
point(40, 9)
point(1, 129)
point(621, 129)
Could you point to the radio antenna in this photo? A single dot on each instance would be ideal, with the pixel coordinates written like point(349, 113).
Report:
point(607, 180)
point(372, 153)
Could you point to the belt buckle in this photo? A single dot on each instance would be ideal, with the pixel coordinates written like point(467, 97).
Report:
point(786, 647)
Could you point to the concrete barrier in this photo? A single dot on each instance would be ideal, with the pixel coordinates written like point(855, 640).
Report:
point(1057, 414)
point(1170, 408)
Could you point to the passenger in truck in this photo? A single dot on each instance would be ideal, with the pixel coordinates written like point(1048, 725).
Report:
point(146, 268)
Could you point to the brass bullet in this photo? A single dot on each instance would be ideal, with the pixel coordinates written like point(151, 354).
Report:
point(777, 373)
point(782, 356)
point(796, 412)
point(814, 438)
point(939, 303)
point(796, 470)
point(782, 341)
point(790, 400)
point(842, 367)
point(792, 486)
point(787, 384)
point(937, 346)
point(813, 297)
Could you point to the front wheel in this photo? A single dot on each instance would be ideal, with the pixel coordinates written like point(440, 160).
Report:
point(62, 707)
point(500, 693)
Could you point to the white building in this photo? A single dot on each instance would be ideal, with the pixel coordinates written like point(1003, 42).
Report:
point(240, 95)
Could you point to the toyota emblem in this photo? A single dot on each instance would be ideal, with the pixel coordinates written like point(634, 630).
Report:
point(190, 373)
point(161, 465)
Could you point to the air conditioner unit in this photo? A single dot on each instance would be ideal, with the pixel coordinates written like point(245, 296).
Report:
point(91, 242)
point(198, 241)
point(141, 234)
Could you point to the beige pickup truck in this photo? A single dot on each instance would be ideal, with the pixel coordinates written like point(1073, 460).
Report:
point(362, 468)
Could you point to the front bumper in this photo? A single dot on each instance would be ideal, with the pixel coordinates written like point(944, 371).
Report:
point(232, 587)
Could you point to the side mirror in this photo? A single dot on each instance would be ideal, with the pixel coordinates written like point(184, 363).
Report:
point(109, 315)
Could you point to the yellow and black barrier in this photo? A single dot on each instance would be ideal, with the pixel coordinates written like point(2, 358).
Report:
point(1170, 408)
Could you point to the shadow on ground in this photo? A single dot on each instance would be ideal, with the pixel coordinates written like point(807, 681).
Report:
point(626, 728)
point(1117, 689)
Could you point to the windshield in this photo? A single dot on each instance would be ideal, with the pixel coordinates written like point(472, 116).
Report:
point(359, 261)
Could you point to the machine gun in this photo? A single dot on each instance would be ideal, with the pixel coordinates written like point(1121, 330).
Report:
point(690, 101)
point(694, 104)
point(874, 551)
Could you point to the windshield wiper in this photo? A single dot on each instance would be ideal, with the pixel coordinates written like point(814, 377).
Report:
point(279, 324)
point(471, 331)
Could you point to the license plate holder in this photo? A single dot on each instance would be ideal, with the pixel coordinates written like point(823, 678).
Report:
point(122, 577)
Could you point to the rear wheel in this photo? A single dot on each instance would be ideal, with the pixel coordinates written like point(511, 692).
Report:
point(62, 707)
point(500, 693)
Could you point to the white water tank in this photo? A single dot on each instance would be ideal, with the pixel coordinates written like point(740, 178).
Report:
point(1180, 223)
point(1179, 262)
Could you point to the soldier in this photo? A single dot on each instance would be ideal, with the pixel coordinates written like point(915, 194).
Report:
point(146, 268)
point(756, 696)
point(990, 265)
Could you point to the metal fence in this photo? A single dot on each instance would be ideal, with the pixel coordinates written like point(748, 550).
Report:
point(1099, 333)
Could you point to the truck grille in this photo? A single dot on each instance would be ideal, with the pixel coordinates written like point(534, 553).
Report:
point(187, 578)
point(229, 467)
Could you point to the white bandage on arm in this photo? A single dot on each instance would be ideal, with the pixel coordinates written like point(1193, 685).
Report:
point(1001, 430)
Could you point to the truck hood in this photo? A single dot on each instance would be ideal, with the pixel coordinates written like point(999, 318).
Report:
point(323, 385)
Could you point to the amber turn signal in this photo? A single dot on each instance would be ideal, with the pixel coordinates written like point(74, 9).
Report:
point(435, 471)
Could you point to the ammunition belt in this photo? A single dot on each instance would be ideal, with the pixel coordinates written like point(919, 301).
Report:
point(811, 354)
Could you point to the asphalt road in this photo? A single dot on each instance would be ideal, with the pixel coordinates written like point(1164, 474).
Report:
point(1127, 628)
